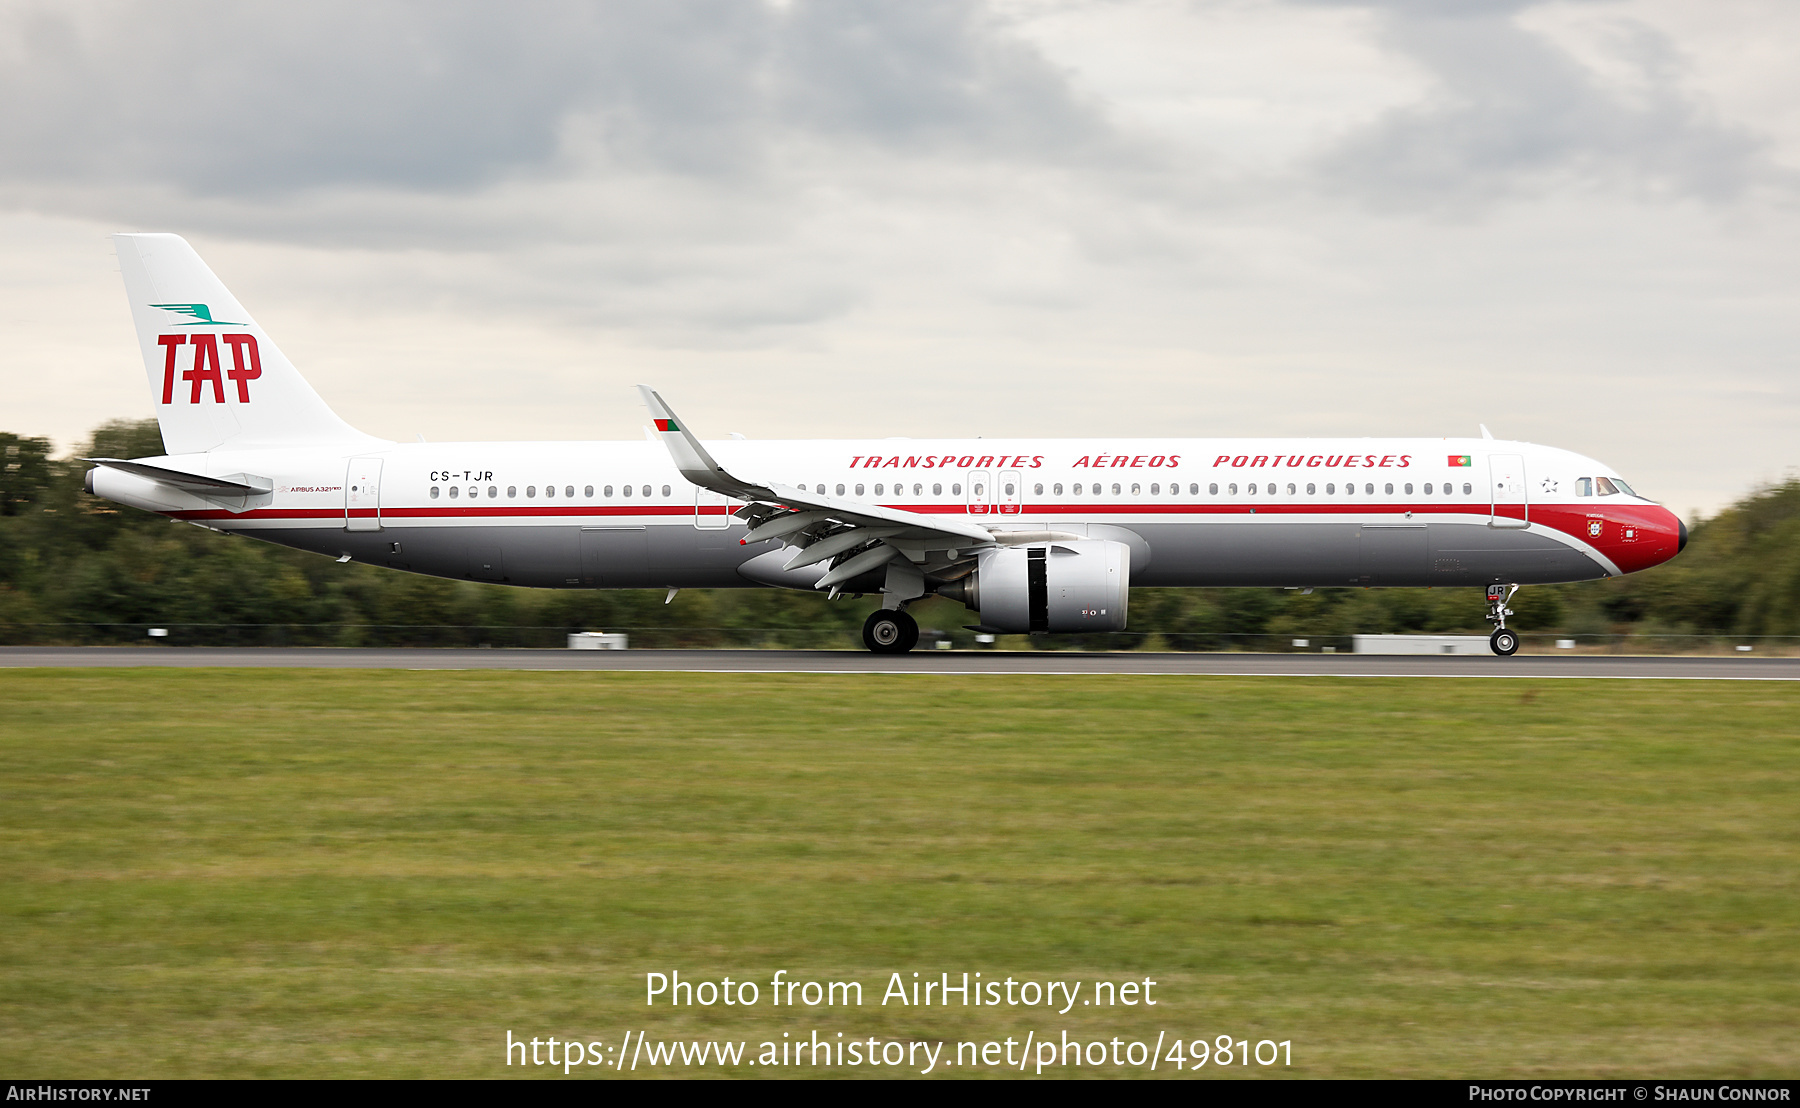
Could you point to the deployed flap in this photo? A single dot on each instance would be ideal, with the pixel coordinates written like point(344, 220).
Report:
point(250, 485)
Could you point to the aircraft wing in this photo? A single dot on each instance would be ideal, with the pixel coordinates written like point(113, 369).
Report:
point(823, 526)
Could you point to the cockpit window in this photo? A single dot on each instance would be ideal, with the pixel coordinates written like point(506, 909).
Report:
point(1624, 488)
point(1584, 486)
point(1606, 487)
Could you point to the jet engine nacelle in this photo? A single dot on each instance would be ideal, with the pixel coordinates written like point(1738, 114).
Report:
point(1079, 585)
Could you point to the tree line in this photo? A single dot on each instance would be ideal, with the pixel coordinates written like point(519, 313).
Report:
point(78, 569)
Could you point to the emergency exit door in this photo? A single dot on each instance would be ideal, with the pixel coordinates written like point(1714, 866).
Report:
point(1010, 488)
point(712, 511)
point(981, 493)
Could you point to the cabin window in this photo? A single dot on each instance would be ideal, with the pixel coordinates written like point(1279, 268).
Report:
point(626, 489)
point(569, 491)
point(938, 490)
point(1212, 489)
point(1605, 487)
point(1369, 488)
point(587, 492)
point(1037, 490)
point(1009, 488)
point(1312, 489)
point(492, 492)
point(434, 492)
point(1409, 488)
point(1056, 489)
point(820, 489)
point(1155, 489)
point(1292, 490)
point(919, 490)
point(1135, 489)
point(956, 489)
point(607, 492)
point(1251, 488)
point(1389, 490)
point(1350, 488)
point(1231, 489)
point(859, 490)
point(455, 492)
point(840, 490)
point(878, 489)
point(1468, 489)
point(549, 490)
point(1116, 491)
point(1428, 488)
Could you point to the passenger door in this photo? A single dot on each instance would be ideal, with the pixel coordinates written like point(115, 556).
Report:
point(362, 495)
point(1511, 507)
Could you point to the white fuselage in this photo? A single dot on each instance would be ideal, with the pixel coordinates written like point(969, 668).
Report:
point(1195, 511)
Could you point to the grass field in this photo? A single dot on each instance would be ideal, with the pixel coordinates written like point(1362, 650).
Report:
point(308, 873)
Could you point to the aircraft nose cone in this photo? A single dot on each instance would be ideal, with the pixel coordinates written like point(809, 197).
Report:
point(1681, 533)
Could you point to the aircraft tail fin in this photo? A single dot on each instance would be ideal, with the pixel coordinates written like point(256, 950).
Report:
point(215, 377)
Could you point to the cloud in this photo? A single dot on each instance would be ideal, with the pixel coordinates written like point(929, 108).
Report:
point(1513, 113)
point(227, 100)
point(930, 217)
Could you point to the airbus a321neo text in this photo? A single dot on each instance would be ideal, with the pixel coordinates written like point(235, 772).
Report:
point(1033, 535)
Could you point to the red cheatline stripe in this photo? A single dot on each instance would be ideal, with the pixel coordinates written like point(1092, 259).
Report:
point(682, 510)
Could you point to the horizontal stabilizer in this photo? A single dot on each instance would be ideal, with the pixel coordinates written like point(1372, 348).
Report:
point(249, 485)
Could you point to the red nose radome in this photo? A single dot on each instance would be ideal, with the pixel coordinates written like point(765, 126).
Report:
point(1632, 536)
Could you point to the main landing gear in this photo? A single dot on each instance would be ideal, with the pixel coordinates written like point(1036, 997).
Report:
point(1504, 643)
point(890, 632)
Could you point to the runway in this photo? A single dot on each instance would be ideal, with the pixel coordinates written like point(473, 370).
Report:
point(1616, 667)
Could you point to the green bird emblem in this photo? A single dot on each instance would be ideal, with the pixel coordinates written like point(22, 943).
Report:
point(201, 313)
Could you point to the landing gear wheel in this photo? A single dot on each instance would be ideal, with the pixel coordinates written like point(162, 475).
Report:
point(890, 632)
point(1504, 642)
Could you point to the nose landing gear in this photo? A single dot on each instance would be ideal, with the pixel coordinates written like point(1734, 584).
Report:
point(1503, 642)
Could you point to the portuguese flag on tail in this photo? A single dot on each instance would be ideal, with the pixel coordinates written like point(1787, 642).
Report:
point(1461, 460)
point(666, 425)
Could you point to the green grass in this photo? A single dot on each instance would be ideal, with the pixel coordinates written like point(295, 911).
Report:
point(307, 873)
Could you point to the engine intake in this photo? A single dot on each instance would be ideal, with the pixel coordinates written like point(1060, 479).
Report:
point(1081, 585)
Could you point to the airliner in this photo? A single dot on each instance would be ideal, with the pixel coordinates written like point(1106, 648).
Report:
point(1033, 536)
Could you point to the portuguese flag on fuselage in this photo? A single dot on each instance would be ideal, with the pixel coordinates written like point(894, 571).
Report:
point(666, 425)
point(1461, 460)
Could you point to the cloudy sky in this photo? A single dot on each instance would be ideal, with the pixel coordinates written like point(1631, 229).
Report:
point(1577, 222)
